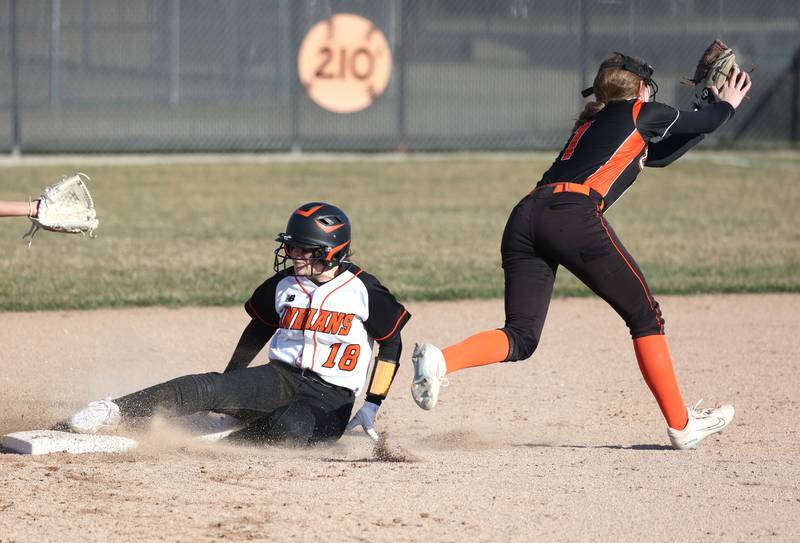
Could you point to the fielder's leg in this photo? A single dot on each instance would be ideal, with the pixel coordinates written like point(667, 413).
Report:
point(585, 244)
point(529, 279)
point(529, 282)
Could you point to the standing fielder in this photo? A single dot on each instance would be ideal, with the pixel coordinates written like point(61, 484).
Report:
point(561, 223)
point(323, 315)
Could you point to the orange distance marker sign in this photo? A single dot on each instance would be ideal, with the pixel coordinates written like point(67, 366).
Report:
point(344, 63)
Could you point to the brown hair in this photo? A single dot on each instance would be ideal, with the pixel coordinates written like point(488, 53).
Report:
point(610, 85)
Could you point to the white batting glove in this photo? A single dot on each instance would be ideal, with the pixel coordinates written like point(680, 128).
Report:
point(365, 417)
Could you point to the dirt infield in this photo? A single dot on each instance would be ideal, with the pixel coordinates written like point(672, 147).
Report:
point(567, 446)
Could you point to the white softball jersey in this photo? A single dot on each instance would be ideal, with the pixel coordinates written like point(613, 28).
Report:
point(328, 328)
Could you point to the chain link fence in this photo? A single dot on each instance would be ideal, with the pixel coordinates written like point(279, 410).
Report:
point(221, 75)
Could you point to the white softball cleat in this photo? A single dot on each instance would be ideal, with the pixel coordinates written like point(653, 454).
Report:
point(701, 425)
point(429, 375)
point(100, 416)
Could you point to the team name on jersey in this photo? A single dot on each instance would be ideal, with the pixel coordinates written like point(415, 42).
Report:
point(316, 320)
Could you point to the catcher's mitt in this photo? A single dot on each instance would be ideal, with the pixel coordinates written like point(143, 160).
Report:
point(716, 66)
point(65, 207)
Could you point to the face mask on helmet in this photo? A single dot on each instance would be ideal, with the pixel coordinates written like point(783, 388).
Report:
point(318, 259)
point(317, 239)
point(633, 65)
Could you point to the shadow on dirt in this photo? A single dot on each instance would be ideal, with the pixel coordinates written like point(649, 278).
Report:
point(644, 447)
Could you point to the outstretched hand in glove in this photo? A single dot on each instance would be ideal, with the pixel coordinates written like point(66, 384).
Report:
point(65, 207)
point(733, 90)
point(718, 77)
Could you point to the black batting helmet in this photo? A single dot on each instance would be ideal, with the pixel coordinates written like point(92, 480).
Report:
point(319, 226)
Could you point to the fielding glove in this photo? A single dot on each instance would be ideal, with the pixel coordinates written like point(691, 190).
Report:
point(716, 66)
point(65, 207)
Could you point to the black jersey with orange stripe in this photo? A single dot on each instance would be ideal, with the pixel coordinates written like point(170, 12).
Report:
point(608, 152)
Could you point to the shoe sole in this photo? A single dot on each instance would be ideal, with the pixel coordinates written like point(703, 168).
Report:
point(426, 403)
point(429, 401)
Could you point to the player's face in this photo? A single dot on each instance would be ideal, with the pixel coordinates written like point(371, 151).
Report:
point(304, 263)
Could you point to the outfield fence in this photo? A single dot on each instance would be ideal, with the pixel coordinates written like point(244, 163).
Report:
point(221, 75)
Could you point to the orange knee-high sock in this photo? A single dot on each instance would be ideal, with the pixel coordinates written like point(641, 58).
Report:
point(479, 350)
point(655, 363)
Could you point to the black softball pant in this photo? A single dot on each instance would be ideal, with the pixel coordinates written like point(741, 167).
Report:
point(278, 402)
point(546, 230)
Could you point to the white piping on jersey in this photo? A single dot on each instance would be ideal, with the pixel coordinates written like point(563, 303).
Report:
point(664, 135)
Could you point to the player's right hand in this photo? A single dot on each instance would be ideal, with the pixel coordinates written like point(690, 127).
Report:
point(365, 417)
point(734, 90)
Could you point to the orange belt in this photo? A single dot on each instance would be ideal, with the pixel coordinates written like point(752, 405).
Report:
point(571, 187)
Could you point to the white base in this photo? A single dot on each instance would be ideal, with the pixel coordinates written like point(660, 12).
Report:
point(50, 441)
point(202, 426)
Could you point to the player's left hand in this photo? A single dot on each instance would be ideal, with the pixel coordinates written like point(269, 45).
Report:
point(365, 417)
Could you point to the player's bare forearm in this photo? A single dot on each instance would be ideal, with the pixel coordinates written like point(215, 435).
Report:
point(18, 209)
point(253, 339)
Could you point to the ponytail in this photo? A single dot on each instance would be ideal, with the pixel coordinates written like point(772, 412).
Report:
point(588, 113)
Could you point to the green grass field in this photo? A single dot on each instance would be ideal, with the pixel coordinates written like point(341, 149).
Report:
point(201, 234)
